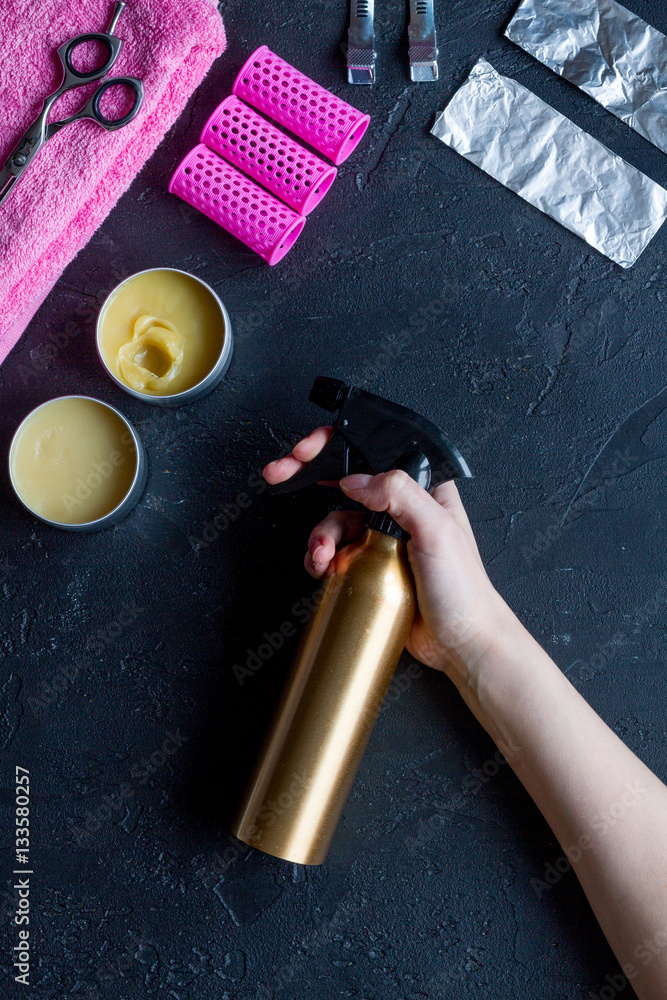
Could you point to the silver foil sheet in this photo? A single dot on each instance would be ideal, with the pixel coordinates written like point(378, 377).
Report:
point(607, 51)
point(531, 148)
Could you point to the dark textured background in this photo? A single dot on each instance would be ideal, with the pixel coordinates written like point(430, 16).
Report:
point(537, 354)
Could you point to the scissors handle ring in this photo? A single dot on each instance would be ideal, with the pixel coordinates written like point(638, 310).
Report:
point(76, 76)
point(114, 123)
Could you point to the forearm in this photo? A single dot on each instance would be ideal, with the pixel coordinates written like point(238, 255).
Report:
point(572, 764)
point(607, 809)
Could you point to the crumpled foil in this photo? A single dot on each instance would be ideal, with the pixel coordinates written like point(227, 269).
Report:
point(531, 148)
point(607, 51)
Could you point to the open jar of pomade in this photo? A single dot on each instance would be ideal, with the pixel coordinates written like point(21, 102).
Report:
point(77, 463)
point(164, 336)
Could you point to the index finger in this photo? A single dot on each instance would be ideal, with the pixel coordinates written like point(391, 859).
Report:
point(305, 451)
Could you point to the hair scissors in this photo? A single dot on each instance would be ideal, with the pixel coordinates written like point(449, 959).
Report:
point(40, 132)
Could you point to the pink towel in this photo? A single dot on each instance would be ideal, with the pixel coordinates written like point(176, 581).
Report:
point(76, 179)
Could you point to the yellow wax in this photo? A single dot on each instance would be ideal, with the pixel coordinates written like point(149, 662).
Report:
point(161, 332)
point(73, 460)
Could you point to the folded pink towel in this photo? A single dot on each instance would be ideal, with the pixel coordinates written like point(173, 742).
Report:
point(78, 176)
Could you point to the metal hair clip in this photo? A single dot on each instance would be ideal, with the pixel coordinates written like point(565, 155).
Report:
point(423, 45)
point(361, 42)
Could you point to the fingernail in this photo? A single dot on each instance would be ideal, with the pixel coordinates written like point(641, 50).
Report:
point(318, 551)
point(352, 484)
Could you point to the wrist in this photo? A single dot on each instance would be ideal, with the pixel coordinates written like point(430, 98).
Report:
point(502, 674)
point(499, 635)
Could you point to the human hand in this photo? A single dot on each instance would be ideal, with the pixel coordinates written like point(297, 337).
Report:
point(459, 611)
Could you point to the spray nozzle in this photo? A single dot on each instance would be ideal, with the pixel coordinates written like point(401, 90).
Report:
point(372, 434)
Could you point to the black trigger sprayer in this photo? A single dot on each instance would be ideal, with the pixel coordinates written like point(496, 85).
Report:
point(354, 639)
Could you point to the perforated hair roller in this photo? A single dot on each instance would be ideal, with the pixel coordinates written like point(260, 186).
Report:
point(297, 176)
point(216, 188)
point(323, 120)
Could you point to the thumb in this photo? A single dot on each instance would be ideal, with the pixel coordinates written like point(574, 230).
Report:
point(410, 505)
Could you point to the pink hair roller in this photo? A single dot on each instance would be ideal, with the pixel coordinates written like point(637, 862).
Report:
point(323, 120)
point(224, 194)
point(266, 154)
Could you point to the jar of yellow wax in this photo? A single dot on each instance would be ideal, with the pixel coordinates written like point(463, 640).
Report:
point(164, 336)
point(77, 463)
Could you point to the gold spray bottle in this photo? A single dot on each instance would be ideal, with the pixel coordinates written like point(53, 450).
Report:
point(354, 639)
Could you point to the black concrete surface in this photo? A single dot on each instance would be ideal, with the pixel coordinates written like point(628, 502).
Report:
point(422, 279)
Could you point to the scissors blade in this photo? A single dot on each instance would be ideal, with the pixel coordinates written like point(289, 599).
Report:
point(7, 182)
